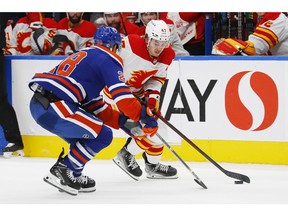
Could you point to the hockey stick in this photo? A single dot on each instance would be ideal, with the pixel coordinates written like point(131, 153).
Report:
point(124, 27)
point(197, 179)
point(226, 172)
point(238, 176)
point(37, 33)
point(59, 38)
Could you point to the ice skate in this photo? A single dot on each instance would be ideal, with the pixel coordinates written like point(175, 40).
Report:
point(62, 177)
point(87, 184)
point(13, 149)
point(159, 171)
point(128, 164)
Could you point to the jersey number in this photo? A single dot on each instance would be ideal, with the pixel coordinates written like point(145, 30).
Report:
point(67, 66)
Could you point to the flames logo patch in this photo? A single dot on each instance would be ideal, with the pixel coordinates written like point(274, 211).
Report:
point(139, 77)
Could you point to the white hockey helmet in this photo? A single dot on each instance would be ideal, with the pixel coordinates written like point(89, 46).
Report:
point(157, 30)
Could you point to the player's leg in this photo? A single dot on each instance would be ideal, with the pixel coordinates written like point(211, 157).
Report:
point(125, 159)
point(81, 152)
point(83, 131)
point(152, 157)
point(8, 119)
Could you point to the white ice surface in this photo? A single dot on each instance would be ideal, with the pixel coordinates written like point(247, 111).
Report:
point(22, 182)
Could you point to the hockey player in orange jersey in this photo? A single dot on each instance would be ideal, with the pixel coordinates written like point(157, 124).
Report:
point(269, 38)
point(146, 61)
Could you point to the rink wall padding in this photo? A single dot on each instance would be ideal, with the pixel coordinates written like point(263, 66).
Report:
point(219, 150)
point(234, 108)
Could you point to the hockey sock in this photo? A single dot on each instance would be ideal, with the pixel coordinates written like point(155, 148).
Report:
point(86, 149)
point(154, 154)
point(77, 157)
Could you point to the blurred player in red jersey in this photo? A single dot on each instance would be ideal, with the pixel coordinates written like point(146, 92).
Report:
point(79, 32)
point(146, 61)
point(129, 16)
point(116, 20)
point(67, 102)
point(190, 28)
point(269, 38)
point(31, 35)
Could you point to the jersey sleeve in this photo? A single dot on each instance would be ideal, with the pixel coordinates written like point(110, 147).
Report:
point(121, 94)
point(269, 32)
point(105, 112)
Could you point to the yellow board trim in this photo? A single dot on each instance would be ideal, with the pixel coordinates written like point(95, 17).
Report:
point(219, 150)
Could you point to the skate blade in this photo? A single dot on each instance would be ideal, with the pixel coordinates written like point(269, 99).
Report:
point(119, 164)
point(87, 190)
point(155, 176)
point(82, 190)
point(19, 153)
point(55, 182)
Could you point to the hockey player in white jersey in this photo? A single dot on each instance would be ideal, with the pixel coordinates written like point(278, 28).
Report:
point(269, 38)
point(78, 31)
point(146, 61)
point(31, 35)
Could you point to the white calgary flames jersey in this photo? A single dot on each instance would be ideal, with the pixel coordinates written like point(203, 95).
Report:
point(18, 40)
point(271, 35)
point(80, 36)
point(142, 71)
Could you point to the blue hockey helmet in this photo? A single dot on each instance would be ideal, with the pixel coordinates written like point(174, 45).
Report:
point(107, 36)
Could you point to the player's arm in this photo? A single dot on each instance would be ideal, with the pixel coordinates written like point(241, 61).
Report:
point(101, 110)
point(152, 87)
point(111, 117)
point(125, 101)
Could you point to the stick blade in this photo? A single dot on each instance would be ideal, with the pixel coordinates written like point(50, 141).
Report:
point(200, 183)
point(238, 176)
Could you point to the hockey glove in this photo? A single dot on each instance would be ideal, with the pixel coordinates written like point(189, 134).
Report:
point(231, 46)
point(152, 98)
point(130, 127)
point(148, 122)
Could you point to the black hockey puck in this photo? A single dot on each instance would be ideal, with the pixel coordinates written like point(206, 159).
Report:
point(238, 182)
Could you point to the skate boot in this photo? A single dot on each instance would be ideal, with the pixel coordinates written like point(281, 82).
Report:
point(62, 177)
point(13, 149)
point(86, 184)
point(159, 171)
point(128, 164)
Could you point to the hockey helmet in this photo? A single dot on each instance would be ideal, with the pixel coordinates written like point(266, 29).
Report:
point(107, 36)
point(157, 30)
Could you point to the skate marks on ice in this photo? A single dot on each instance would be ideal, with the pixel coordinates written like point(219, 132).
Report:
point(22, 183)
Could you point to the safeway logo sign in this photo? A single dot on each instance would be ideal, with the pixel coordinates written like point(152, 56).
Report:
point(251, 100)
